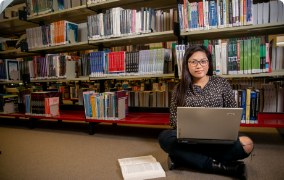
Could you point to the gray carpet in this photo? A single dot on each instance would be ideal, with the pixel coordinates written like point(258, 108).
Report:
point(65, 150)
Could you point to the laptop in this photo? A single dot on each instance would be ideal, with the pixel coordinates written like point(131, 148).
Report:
point(200, 125)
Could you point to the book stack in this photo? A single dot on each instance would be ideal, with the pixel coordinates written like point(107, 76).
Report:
point(105, 106)
point(118, 22)
point(44, 104)
point(145, 62)
point(57, 33)
point(206, 15)
point(8, 103)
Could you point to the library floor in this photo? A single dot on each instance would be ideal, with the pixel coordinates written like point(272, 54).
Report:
point(65, 150)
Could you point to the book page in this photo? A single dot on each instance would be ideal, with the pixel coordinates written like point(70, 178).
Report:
point(142, 171)
point(137, 160)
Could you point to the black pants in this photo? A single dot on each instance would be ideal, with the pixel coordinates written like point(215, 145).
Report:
point(200, 156)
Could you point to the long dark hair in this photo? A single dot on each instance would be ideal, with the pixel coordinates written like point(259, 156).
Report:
point(186, 77)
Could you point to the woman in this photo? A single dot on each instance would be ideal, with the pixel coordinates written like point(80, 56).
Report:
point(198, 88)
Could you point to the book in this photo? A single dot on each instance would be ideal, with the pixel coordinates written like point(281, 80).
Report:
point(248, 97)
point(143, 167)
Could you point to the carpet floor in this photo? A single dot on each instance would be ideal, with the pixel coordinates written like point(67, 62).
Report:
point(65, 150)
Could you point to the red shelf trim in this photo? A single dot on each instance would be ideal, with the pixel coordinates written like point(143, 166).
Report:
point(275, 120)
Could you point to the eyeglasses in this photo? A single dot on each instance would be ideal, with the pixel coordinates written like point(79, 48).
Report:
point(202, 63)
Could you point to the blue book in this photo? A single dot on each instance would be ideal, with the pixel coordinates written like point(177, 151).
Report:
point(244, 97)
point(221, 13)
point(216, 16)
point(248, 10)
point(180, 17)
point(253, 107)
point(60, 5)
point(85, 104)
point(212, 6)
point(95, 63)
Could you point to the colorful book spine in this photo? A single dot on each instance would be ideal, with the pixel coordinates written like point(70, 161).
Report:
point(249, 59)
point(243, 120)
point(248, 94)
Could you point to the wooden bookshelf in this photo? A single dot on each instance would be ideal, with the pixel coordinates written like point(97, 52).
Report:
point(235, 32)
point(87, 78)
point(14, 27)
point(279, 72)
point(136, 39)
point(16, 53)
point(80, 46)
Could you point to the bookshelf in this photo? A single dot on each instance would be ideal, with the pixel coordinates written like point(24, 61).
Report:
point(235, 32)
point(15, 26)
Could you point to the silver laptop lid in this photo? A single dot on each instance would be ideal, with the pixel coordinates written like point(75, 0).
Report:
point(208, 123)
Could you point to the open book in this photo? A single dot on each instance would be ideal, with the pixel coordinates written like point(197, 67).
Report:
point(143, 167)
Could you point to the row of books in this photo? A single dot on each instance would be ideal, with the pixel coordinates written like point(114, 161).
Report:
point(95, 1)
point(158, 95)
point(8, 103)
point(9, 69)
point(52, 66)
point(277, 58)
point(57, 33)
point(106, 106)
point(244, 83)
point(267, 99)
point(144, 62)
point(42, 104)
point(268, 12)
point(206, 15)
point(39, 7)
point(150, 98)
point(118, 22)
point(235, 56)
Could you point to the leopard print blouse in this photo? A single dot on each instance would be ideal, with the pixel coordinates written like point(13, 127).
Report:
point(216, 93)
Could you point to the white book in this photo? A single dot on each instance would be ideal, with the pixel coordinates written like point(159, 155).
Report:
point(177, 57)
point(265, 12)
point(280, 11)
point(217, 55)
point(143, 167)
point(237, 12)
point(273, 11)
point(273, 58)
point(225, 13)
point(283, 13)
point(255, 14)
point(208, 8)
point(224, 58)
point(117, 17)
point(259, 13)
point(279, 57)
point(205, 17)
